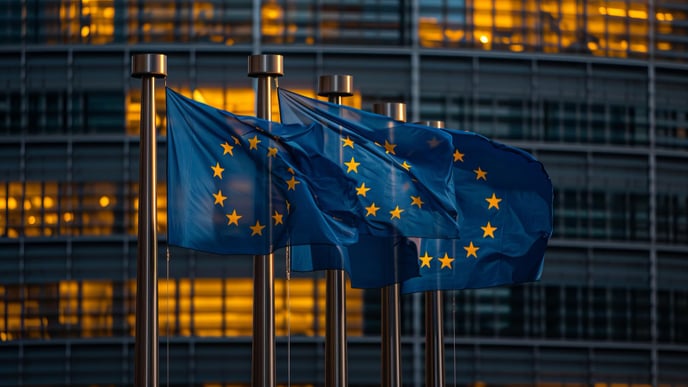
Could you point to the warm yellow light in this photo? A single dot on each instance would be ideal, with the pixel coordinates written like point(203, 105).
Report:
point(516, 47)
point(624, 44)
point(85, 30)
point(484, 39)
point(50, 218)
point(104, 201)
point(27, 204)
point(12, 203)
point(602, 10)
point(453, 35)
point(664, 46)
point(197, 96)
point(68, 217)
point(637, 14)
point(36, 201)
point(48, 202)
point(639, 47)
point(593, 46)
point(31, 220)
point(109, 12)
point(616, 12)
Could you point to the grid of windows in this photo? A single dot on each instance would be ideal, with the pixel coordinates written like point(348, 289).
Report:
point(611, 133)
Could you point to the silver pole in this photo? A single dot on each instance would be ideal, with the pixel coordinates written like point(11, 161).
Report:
point(146, 362)
point(265, 68)
point(434, 324)
point(391, 322)
point(334, 87)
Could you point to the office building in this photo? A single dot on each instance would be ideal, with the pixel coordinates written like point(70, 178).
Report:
point(595, 89)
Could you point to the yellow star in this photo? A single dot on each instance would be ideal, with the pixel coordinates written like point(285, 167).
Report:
point(278, 218)
point(425, 260)
point(291, 184)
point(362, 190)
point(406, 166)
point(256, 229)
point(471, 250)
point(396, 212)
point(488, 230)
point(227, 149)
point(290, 170)
point(219, 199)
point(494, 201)
point(415, 201)
point(272, 152)
point(480, 174)
point(234, 218)
point(348, 142)
point(389, 147)
point(458, 156)
point(253, 143)
point(236, 140)
point(446, 261)
point(372, 210)
point(217, 170)
point(352, 166)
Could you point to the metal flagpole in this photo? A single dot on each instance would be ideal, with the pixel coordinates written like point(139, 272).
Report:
point(434, 324)
point(146, 362)
point(334, 87)
point(266, 68)
point(390, 300)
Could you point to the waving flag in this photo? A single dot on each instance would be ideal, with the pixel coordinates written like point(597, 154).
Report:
point(502, 194)
point(234, 187)
point(505, 197)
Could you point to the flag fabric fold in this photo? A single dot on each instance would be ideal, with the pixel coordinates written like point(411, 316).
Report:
point(235, 187)
point(243, 185)
point(503, 198)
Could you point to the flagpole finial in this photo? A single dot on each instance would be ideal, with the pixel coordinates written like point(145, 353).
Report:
point(265, 65)
point(432, 123)
point(393, 110)
point(336, 85)
point(152, 65)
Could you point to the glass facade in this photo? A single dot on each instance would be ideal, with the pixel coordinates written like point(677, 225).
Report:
point(596, 90)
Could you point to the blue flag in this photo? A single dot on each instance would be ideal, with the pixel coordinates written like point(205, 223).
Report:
point(504, 232)
point(236, 187)
point(417, 194)
point(505, 197)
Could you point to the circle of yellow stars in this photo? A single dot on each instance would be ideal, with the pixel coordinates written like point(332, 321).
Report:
point(233, 217)
point(488, 229)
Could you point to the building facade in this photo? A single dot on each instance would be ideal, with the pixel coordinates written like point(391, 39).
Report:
point(595, 89)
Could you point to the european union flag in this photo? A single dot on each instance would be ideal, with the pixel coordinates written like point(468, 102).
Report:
point(415, 192)
point(403, 171)
point(504, 201)
point(236, 187)
point(505, 197)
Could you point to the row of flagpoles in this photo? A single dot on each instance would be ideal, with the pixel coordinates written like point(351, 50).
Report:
point(326, 228)
point(266, 68)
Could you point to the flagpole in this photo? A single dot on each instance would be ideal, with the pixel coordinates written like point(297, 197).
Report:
point(434, 324)
point(334, 87)
point(390, 295)
point(146, 362)
point(266, 68)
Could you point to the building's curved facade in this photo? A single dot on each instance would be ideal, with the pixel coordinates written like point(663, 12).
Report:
point(597, 90)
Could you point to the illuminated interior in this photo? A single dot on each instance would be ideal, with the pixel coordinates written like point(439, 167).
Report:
point(208, 307)
point(603, 28)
